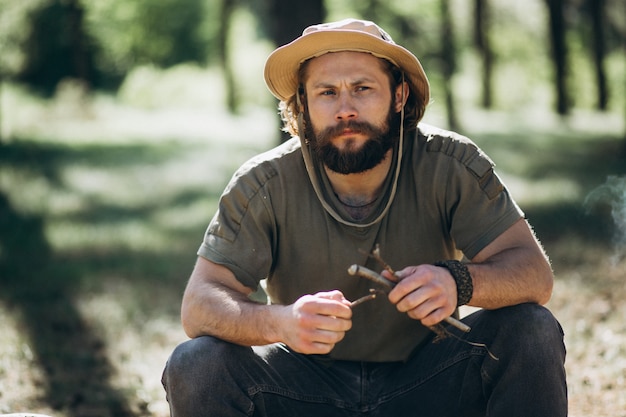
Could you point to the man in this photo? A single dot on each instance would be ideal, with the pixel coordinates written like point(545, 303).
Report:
point(359, 173)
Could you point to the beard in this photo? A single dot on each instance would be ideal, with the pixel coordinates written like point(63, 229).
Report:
point(371, 153)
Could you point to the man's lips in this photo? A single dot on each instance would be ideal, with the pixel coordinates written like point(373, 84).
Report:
point(349, 132)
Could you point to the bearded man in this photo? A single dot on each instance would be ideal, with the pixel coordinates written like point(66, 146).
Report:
point(361, 173)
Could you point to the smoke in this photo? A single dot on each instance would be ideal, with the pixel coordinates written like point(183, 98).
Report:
point(612, 194)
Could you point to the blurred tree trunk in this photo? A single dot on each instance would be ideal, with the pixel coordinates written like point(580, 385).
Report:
point(559, 53)
point(81, 61)
point(1, 108)
point(598, 49)
point(286, 19)
point(448, 62)
point(57, 47)
point(289, 18)
point(483, 45)
point(227, 7)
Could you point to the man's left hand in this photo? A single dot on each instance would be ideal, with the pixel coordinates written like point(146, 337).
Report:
point(425, 292)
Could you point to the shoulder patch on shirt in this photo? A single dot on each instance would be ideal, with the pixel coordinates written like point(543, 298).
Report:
point(467, 153)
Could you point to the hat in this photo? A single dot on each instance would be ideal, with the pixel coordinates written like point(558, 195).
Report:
point(281, 67)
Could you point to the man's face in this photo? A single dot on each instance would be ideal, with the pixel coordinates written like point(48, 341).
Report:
point(352, 119)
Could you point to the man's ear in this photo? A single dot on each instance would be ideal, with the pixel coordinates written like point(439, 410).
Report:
point(401, 95)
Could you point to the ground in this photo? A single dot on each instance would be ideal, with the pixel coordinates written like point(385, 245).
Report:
point(96, 252)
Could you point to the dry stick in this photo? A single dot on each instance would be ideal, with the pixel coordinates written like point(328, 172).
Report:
point(378, 257)
point(364, 272)
point(372, 295)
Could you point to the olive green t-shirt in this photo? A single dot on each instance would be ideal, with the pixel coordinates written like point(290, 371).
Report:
point(270, 225)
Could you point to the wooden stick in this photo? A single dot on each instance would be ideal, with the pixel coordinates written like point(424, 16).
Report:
point(367, 273)
point(372, 295)
point(373, 276)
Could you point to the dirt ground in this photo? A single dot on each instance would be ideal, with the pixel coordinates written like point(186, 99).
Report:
point(87, 324)
point(592, 317)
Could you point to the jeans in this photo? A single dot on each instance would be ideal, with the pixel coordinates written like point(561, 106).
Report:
point(209, 377)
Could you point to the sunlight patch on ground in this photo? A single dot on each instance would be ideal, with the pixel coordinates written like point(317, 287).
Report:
point(80, 119)
point(21, 378)
point(70, 235)
point(595, 335)
point(546, 191)
point(134, 337)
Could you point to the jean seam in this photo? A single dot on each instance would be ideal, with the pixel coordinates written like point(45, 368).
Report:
point(317, 399)
point(439, 369)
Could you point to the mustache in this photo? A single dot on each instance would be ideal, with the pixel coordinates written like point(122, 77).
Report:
point(353, 125)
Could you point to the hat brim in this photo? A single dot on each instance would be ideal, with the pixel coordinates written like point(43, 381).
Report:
point(281, 67)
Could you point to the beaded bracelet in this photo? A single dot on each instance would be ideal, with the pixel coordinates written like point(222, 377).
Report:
point(463, 279)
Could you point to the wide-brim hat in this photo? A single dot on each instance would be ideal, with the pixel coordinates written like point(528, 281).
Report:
point(281, 67)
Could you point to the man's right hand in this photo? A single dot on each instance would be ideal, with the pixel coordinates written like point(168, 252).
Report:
point(315, 323)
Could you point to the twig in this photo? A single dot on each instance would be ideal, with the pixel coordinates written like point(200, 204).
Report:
point(364, 272)
point(372, 295)
point(375, 254)
point(442, 333)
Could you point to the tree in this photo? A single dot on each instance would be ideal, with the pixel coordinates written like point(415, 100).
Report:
point(227, 8)
point(144, 32)
point(485, 51)
point(448, 62)
point(284, 21)
point(287, 18)
point(598, 50)
point(57, 47)
point(557, 30)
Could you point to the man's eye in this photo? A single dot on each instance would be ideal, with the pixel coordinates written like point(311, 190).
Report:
point(327, 93)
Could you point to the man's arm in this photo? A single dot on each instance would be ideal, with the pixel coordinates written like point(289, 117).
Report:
point(215, 303)
point(513, 269)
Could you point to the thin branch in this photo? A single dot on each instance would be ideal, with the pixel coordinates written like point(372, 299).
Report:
point(441, 331)
point(375, 254)
point(371, 296)
point(366, 273)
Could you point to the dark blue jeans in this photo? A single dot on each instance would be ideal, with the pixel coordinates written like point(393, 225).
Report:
point(210, 377)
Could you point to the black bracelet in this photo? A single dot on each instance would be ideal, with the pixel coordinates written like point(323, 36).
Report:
point(463, 279)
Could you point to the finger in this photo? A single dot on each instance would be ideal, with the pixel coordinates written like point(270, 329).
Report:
point(409, 287)
point(330, 323)
point(318, 341)
point(331, 295)
point(333, 308)
point(434, 317)
point(412, 300)
point(391, 277)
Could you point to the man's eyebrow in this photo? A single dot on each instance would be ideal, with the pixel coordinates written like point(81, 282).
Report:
point(358, 81)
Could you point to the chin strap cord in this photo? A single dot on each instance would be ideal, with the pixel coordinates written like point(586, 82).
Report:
point(310, 167)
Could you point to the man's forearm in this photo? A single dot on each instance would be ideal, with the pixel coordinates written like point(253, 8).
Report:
point(513, 269)
point(215, 303)
point(515, 276)
point(222, 312)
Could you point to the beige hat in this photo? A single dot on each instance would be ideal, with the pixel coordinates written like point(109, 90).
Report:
point(281, 68)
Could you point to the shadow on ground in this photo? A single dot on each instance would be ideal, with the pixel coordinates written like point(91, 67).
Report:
point(42, 287)
point(42, 292)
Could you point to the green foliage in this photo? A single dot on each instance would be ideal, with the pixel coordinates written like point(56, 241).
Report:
point(14, 30)
point(143, 32)
point(45, 41)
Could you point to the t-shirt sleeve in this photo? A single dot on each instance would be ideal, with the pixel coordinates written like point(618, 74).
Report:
point(240, 235)
point(479, 205)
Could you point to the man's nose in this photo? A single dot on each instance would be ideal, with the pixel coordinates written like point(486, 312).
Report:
point(346, 109)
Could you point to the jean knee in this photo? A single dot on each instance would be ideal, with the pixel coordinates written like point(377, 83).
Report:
point(530, 328)
point(534, 321)
point(197, 358)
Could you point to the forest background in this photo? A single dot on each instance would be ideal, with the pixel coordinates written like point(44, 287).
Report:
point(121, 122)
